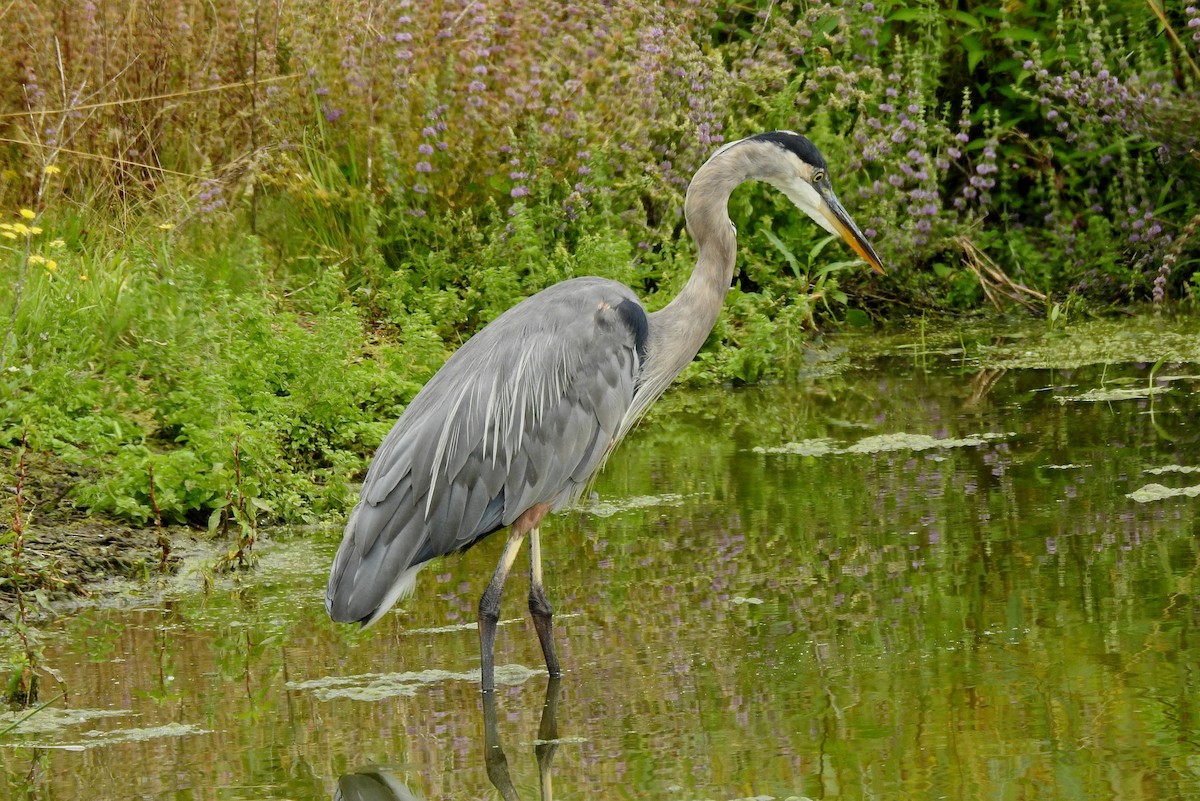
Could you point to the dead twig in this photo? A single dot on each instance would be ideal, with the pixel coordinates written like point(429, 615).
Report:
point(996, 284)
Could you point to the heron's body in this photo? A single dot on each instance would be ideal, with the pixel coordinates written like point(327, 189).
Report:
point(519, 419)
point(495, 432)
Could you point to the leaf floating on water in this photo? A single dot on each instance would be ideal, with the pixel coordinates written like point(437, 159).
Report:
point(1157, 492)
point(1105, 394)
point(1172, 468)
point(738, 600)
point(882, 443)
point(1064, 466)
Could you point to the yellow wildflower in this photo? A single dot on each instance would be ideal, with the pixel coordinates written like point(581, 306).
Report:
point(51, 265)
point(165, 226)
point(83, 278)
point(21, 228)
point(36, 259)
point(29, 214)
point(8, 234)
point(34, 231)
point(57, 244)
point(52, 169)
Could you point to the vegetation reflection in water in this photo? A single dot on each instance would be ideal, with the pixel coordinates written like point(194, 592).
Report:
point(978, 605)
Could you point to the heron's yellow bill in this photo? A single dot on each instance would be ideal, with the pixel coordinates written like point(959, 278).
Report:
point(833, 212)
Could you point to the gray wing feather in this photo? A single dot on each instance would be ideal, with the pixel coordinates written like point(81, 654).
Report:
point(523, 413)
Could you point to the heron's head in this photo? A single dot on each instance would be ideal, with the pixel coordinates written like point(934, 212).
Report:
point(794, 166)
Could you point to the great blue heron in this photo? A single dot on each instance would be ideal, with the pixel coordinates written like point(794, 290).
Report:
point(519, 419)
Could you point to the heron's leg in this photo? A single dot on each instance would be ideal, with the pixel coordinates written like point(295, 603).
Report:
point(539, 607)
point(489, 610)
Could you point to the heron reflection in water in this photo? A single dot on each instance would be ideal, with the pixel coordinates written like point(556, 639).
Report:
point(379, 783)
point(521, 417)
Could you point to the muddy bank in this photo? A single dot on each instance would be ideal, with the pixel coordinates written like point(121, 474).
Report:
point(64, 552)
point(68, 556)
point(72, 560)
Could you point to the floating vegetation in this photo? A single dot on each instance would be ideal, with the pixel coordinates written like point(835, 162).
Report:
point(609, 508)
point(1172, 468)
point(1098, 342)
point(919, 442)
point(821, 446)
point(377, 686)
point(1157, 492)
point(97, 738)
point(882, 443)
point(1104, 394)
point(141, 735)
point(53, 719)
point(456, 627)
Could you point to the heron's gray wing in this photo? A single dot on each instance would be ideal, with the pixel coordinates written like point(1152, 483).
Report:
point(522, 414)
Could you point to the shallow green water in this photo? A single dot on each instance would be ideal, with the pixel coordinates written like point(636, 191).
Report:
point(917, 576)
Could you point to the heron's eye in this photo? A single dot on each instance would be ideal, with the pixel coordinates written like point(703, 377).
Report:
point(818, 176)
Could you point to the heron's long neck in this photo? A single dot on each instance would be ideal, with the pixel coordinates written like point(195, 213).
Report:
point(679, 329)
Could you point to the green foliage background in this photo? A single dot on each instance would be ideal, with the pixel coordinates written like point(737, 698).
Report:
point(254, 230)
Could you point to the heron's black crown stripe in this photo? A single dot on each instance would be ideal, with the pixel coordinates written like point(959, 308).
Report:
point(796, 143)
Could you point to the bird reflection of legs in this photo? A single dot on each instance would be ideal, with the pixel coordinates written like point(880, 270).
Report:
point(547, 744)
